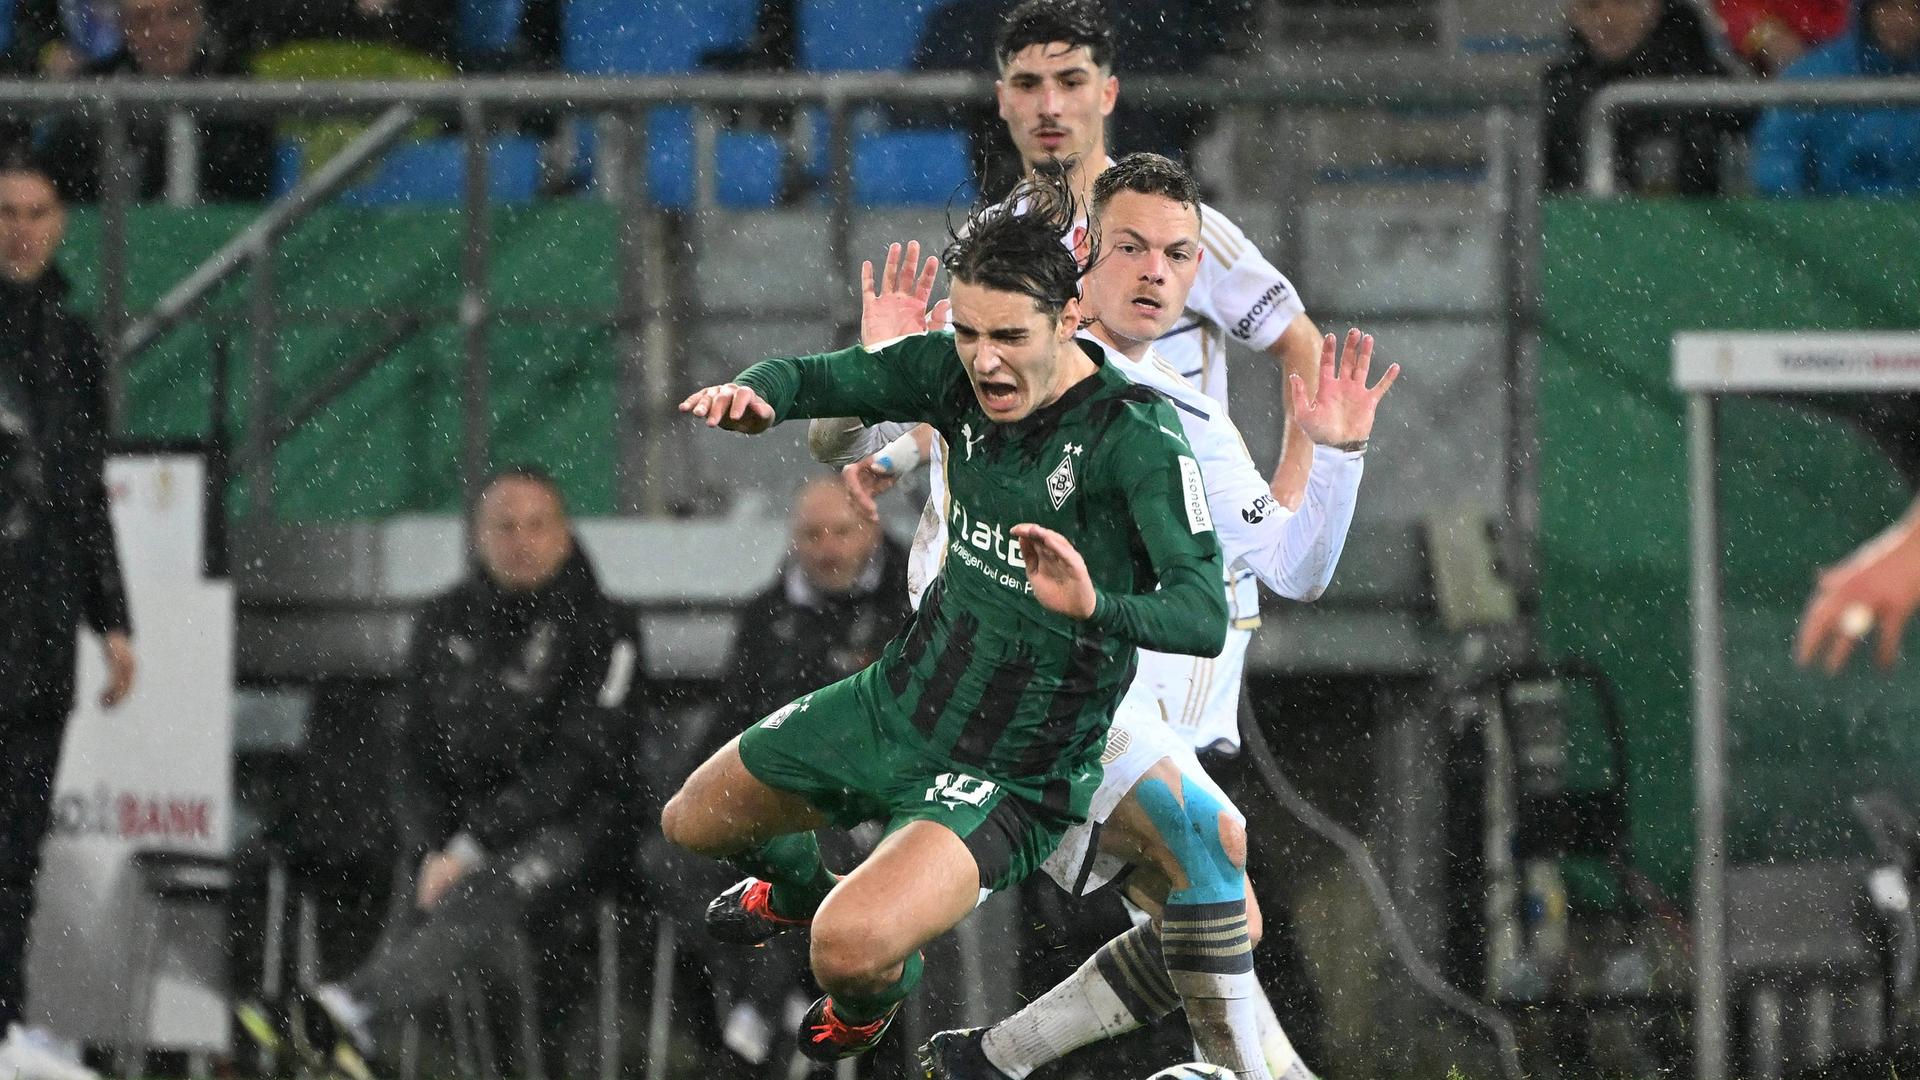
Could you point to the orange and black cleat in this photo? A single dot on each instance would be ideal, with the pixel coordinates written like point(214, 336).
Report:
point(742, 915)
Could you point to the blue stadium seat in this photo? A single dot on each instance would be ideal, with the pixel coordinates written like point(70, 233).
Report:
point(912, 168)
point(487, 26)
point(6, 24)
point(858, 35)
point(649, 37)
point(433, 170)
point(748, 164)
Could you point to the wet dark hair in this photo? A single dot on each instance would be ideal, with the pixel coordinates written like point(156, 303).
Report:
point(1145, 174)
point(1042, 22)
point(535, 474)
point(1017, 245)
point(19, 157)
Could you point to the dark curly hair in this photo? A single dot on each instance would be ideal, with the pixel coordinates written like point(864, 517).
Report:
point(1042, 22)
point(1018, 245)
point(1145, 174)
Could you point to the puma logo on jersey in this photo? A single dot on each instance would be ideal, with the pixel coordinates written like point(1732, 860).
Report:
point(966, 432)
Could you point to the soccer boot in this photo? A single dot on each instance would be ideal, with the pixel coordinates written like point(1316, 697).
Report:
point(826, 1037)
point(958, 1055)
point(743, 916)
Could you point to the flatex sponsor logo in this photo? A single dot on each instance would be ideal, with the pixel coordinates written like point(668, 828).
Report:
point(1262, 307)
point(133, 815)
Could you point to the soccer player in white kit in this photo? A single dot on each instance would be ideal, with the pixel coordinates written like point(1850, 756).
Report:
point(1146, 268)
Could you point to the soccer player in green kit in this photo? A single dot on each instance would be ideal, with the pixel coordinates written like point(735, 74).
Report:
point(1079, 533)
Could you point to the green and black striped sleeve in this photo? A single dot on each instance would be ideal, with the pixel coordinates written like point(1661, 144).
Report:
point(909, 379)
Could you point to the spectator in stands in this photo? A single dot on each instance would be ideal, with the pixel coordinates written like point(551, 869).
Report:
point(166, 39)
point(1770, 34)
point(421, 27)
point(1848, 151)
point(1658, 151)
point(511, 763)
point(836, 603)
point(58, 564)
point(57, 38)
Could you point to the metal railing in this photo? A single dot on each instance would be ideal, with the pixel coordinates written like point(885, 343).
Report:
point(1608, 105)
point(645, 376)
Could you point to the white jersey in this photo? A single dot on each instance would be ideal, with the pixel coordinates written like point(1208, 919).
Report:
point(1238, 294)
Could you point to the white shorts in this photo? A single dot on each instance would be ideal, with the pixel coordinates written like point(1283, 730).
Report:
point(1138, 740)
point(1200, 695)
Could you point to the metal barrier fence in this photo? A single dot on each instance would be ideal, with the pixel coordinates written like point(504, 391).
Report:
point(645, 380)
point(1612, 101)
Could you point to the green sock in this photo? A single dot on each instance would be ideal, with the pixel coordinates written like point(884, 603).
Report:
point(791, 864)
point(860, 1009)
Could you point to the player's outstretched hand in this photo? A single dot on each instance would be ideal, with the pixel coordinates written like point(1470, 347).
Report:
point(899, 308)
point(730, 406)
point(866, 481)
point(1057, 572)
point(1342, 409)
point(1876, 590)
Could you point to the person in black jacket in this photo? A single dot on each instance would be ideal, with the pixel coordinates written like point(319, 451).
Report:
point(166, 39)
point(1658, 151)
point(510, 762)
point(838, 600)
point(58, 564)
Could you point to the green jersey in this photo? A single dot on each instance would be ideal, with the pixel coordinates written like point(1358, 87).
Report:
point(989, 678)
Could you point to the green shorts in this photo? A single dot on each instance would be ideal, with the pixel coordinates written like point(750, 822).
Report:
point(854, 760)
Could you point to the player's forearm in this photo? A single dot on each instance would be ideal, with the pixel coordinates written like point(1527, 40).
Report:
point(1187, 614)
point(1298, 551)
point(843, 440)
point(1298, 351)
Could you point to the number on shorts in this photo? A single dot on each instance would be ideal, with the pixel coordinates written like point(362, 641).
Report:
point(959, 787)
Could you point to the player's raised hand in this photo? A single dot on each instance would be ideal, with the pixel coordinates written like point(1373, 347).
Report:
point(1875, 591)
point(866, 481)
point(899, 307)
point(1056, 571)
point(730, 406)
point(1341, 410)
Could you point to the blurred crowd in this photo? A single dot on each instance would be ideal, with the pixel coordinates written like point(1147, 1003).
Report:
point(1855, 150)
point(1686, 151)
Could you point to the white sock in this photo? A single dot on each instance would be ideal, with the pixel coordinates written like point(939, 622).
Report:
point(1210, 962)
point(1283, 1061)
point(1121, 987)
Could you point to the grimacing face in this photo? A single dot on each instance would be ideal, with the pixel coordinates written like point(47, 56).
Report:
point(521, 533)
point(1149, 257)
point(32, 223)
point(1056, 101)
point(1017, 357)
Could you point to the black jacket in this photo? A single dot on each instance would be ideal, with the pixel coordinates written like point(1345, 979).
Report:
point(519, 714)
point(793, 639)
point(58, 564)
point(236, 155)
point(1672, 151)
